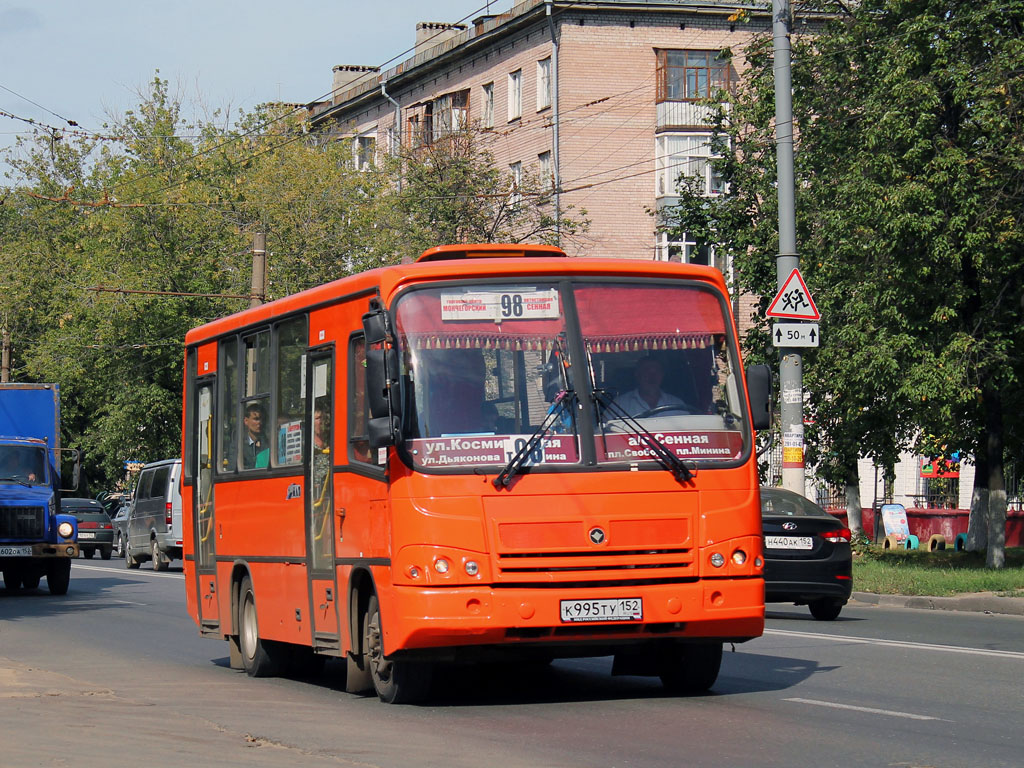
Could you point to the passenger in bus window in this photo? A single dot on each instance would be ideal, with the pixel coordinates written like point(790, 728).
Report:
point(648, 394)
point(256, 452)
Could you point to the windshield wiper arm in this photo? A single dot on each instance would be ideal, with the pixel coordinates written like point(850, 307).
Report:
point(668, 459)
point(511, 469)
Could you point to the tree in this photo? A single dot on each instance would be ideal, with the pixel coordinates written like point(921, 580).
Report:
point(910, 184)
point(452, 191)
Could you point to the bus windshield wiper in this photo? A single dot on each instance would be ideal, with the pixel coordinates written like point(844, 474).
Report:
point(667, 458)
point(564, 399)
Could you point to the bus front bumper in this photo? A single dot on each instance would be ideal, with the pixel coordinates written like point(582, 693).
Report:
point(725, 609)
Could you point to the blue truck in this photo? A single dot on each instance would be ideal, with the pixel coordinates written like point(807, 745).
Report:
point(36, 540)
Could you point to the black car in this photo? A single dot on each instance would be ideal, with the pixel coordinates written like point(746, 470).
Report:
point(807, 554)
point(95, 531)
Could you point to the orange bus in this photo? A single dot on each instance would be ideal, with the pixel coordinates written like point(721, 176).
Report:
point(496, 452)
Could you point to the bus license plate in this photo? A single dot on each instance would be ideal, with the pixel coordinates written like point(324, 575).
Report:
point(617, 609)
point(788, 542)
point(15, 551)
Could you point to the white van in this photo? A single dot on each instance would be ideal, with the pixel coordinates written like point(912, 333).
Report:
point(154, 522)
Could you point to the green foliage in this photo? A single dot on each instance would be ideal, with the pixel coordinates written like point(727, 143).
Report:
point(170, 206)
point(910, 187)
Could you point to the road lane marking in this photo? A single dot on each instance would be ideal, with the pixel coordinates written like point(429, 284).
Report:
point(869, 710)
point(1019, 656)
point(131, 572)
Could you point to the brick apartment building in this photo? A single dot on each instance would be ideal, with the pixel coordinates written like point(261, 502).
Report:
point(600, 97)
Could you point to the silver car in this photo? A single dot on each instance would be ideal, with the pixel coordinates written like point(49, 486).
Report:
point(154, 517)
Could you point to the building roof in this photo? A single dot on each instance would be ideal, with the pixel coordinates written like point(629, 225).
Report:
point(486, 28)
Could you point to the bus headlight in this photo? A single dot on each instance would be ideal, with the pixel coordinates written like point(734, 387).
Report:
point(472, 568)
point(717, 560)
point(739, 557)
point(65, 530)
point(441, 565)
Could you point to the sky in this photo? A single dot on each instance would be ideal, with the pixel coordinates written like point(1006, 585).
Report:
point(83, 60)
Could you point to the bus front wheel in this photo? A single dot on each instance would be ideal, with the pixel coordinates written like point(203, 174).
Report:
point(396, 681)
point(690, 669)
point(256, 657)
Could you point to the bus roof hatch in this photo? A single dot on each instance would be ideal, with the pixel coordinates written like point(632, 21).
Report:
point(491, 251)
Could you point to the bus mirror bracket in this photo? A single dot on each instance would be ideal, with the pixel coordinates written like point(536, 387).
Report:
point(759, 387)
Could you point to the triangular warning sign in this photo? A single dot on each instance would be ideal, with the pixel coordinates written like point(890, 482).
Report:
point(793, 300)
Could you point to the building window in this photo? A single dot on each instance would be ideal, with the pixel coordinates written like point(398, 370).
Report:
point(691, 75)
point(450, 113)
point(689, 155)
point(515, 95)
point(516, 172)
point(364, 150)
point(684, 249)
point(487, 119)
point(547, 176)
point(544, 83)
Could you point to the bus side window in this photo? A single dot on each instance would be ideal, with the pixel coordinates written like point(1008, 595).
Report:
point(227, 415)
point(358, 430)
point(290, 397)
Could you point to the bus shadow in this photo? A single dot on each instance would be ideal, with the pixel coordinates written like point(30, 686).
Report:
point(578, 681)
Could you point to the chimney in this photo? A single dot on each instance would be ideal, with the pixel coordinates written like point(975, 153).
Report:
point(479, 21)
point(345, 75)
point(431, 33)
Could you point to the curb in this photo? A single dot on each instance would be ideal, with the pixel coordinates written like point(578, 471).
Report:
point(982, 602)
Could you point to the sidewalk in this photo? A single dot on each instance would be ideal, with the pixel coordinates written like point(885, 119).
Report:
point(978, 602)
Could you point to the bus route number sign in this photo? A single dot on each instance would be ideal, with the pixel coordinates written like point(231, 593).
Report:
point(513, 304)
point(615, 609)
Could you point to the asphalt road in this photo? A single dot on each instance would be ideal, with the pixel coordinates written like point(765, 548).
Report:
point(115, 674)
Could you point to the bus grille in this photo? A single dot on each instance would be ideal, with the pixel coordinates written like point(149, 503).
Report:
point(22, 522)
point(606, 567)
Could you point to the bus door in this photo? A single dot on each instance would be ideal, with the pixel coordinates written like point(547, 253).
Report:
point(323, 582)
point(203, 511)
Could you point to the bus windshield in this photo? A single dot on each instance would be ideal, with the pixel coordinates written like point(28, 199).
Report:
point(485, 365)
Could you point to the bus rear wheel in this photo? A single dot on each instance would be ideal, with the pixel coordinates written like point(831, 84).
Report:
point(396, 681)
point(257, 658)
point(690, 669)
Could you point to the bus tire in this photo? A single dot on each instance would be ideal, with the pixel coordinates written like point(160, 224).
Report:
point(58, 575)
point(257, 658)
point(690, 669)
point(396, 681)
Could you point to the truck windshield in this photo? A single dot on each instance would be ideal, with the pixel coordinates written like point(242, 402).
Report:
point(485, 365)
point(23, 464)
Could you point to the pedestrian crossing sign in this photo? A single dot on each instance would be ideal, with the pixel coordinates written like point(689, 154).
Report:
point(793, 301)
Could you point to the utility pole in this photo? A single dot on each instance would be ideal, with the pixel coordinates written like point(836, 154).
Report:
point(790, 358)
point(259, 269)
point(5, 363)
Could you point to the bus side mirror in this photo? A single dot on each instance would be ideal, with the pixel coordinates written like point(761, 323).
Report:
point(759, 388)
point(382, 382)
point(375, 327)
